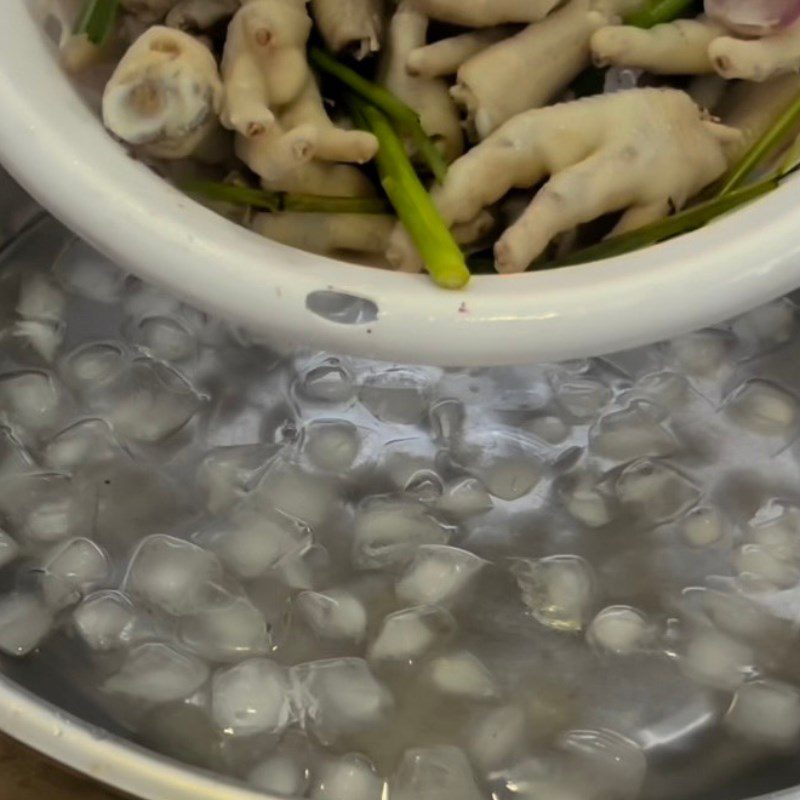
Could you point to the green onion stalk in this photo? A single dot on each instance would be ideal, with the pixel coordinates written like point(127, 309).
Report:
point(657, 12)
point(682, 222)
point(414, 206)
point(97, 20)
point(392, 106)
point(763, 148)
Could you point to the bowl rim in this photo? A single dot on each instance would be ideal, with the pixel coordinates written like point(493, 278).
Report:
point(77, 171)
point(126, 766)
point(105, 757)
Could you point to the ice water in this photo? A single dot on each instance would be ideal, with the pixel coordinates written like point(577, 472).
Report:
point(325, 576)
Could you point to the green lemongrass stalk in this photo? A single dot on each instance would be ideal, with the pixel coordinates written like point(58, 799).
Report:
point(682, 222)
point(284, 201)
point(442, 257)
point(792, 158)
point(657, 12)
point(97, 20)
point(763, 148)
point(394, 108)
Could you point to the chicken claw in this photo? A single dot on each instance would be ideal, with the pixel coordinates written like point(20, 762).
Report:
point(644, 152)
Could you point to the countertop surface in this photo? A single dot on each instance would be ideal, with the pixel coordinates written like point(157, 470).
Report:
point(25, 775)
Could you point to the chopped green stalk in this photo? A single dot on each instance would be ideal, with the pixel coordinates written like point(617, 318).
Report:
point(97, 20)
point(679, 223)
point(763, 148)
point(284, 201)
point(394, 108)
point(442, 256)
point(792, 158)
point(656, 12)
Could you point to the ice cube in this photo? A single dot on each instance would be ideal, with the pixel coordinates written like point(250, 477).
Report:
point(14, 458)
point(30, 400)
point(767, 326)
point(144, 300)
point(550, 429)
point(741, 618)
point(438, 574)
point(558, 590)
point(279, 774)
point(716, 660)
point(349, 777)
point(410, 633)
point(75, 569)
point(406, 459)
point(90, 441)
point(507, 465)
point(83, 271)
point(758, 567)
point(157, 401)
point(434, 773)
point(252, 697)
point(535, 777)
point(166, 338)
point(24, 622)
point(655, 491)
point(328, 382)
point(447, 421)
point(581, 398)
point(94, 365)
point(47, 507)
point(669, 389)
point(498, 737)
point(763, 408)
point(585, 501)
point(425, 486)
point(287, 488)
point(304, 569)
point(250, 543)
point(104, 620)
point(512, 478)
point(776, 528)
point(631, 433)
point(766, 711)
point(461, 674)
point(333, 614)
point(702, 527)
point(229, 631)
point(172, 574)
point(332, 445)
point(701, 352)
point(340, 696)
point(42, 336)
point(397, 395)
point(155, 672)
point(226, 473)
point(616, 766)
point(387, 532)
point(9, 549)
point(464, 497)
point(40, 299)
point(618, 629)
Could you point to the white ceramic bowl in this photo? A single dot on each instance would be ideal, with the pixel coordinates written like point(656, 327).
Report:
point(53, 144)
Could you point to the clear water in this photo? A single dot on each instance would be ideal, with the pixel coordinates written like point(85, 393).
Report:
point(320, 574)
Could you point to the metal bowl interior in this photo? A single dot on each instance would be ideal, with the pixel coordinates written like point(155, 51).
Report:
point(44, 703)
point(39, 710)
point(53, 143)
